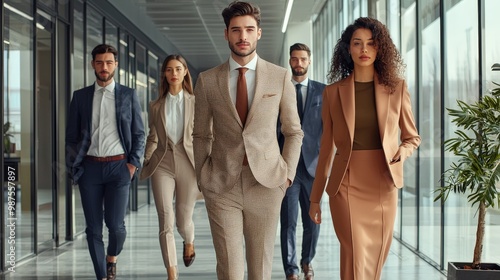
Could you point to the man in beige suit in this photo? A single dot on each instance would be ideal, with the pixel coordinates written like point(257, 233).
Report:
point(238, 163)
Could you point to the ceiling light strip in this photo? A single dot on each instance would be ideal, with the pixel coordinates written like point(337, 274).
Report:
point(287, 15)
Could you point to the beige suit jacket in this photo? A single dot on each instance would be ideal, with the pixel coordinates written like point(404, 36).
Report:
point(221, 141)
point(157, 141)
point(397, 132)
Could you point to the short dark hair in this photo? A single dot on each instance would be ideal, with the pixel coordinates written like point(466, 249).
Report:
point(300, 47)
point(104, 48)
point(239, 8)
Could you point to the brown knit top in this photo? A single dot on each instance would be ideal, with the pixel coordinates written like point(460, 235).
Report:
point(366, 130)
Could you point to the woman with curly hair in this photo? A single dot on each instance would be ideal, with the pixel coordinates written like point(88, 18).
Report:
point(368, 133)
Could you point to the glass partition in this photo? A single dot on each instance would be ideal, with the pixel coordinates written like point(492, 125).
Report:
point(18, 95)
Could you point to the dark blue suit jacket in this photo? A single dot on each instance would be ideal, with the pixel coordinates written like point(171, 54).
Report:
point(312, 126)
point(79, 127)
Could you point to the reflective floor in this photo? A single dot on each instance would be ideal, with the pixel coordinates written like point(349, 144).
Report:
point(141, 258)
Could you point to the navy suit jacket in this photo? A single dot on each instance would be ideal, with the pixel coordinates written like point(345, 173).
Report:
point(312, 126)
point(79, 127)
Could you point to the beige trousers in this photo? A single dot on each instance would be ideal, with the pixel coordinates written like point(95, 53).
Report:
point(363, 213)
point(248, 214)
point(174, 178)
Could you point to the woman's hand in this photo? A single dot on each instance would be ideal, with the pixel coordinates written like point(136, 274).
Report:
point(315, 212)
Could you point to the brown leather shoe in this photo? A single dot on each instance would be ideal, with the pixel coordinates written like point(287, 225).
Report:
point(292, 277)
point(111, 271)
point(188, 260)
point(308, 271)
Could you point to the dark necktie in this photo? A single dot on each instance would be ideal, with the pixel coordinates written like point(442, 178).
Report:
point(242, 95)
point(300, 106)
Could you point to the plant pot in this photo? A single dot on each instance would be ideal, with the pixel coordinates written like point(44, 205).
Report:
point(489, 271)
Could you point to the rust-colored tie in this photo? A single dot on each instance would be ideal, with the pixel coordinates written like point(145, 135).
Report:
point(242, 95)
point(242, 100)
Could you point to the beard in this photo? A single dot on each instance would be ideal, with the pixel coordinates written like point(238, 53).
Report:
point(110, 76)
point(242, 54)
point(299, 71)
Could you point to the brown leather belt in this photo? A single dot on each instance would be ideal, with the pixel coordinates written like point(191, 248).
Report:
point(106, 159)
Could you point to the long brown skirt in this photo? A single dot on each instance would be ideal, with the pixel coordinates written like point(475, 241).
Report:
point(363, 213)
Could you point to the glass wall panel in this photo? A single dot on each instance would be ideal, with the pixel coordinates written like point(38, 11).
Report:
point(153, 80)
point(377, 9)
point(18, 95)
point(123, 59)
point(407, 219)
point(78, 73)
point(463, 83)
point(131, 62)
point(95, 36)
point(111, 34)
point(62, 102)
point(23, 6)
point(491, 53)
point(63, 7)
point(142, 92)
point(49, 3)
point(44, 130)
point(430, 109)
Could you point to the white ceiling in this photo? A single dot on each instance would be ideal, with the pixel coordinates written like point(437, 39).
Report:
point(196, 27)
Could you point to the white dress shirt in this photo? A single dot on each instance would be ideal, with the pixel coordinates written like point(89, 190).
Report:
point(105, 140)
point(249, 76)
point(174, 114)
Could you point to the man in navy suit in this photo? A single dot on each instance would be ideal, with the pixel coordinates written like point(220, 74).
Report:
point(104, 145)
point(309, 101)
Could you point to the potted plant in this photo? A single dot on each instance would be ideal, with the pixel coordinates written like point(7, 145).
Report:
point(6, 138)
point(475, 173)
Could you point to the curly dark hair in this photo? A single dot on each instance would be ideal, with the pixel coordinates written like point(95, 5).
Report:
point(388, 64)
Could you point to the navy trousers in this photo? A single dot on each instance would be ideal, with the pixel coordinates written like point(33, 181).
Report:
point(104, 189)
point(297, 193)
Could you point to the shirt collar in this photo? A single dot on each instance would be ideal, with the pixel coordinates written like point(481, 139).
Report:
point(176, 98)
point(108, 88)
point(233, 65)
point(304, 83)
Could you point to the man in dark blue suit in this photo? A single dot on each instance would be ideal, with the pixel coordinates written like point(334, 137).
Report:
point(309, 101)
point(104, 146)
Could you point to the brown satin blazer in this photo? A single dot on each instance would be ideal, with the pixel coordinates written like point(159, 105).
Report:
point(221, 141)
point(394, 116)
point(157, 141)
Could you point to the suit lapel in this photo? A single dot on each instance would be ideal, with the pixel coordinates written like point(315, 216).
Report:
point(261, 73)
point(161, 110)
point(188, 111)
point(346, 94)
point(118, 105)
point(382, 98)
point(90, 106)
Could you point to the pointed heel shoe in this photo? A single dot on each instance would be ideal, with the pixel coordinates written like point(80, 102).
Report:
point(188, 259)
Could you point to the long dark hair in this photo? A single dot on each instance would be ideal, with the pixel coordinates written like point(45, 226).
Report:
point(187, 83)
point(388, 63)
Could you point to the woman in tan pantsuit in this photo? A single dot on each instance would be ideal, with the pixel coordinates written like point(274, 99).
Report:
point(368, 133)
point(168, 159)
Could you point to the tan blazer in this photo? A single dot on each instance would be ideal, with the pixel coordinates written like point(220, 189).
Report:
point(221, 142)
point(394, 115)
point(157, 141)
